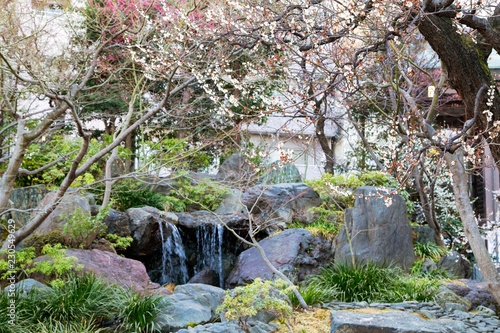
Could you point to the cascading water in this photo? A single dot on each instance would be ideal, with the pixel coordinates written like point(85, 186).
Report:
point(172, 249)
point(209, 255)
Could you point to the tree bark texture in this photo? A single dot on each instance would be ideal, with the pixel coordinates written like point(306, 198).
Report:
point(460, 189)
point(466, 65)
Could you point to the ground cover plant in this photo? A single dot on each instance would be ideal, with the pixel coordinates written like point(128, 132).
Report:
point(429, 250)
point(366, 282)
point(81, 304)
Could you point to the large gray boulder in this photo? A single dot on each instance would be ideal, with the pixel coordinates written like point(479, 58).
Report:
point(195, 220)
point(444, 295)
point(279, 204)
point(25, 198)
point(236, 168)
point(456, 265)
point(379, 229)
point(423, 234)
point(190, 304)
point(25, 286)
point(144, 228)
point(231, 203)
point(206, 276)
point(72, 202)
point(295, 252)
point(117, 223)
point(390, 322)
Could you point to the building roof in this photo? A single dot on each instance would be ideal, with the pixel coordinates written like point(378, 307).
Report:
point(289, 126)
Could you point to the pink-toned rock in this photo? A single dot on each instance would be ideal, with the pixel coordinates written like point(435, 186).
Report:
point(125, 272)
point(476, 292)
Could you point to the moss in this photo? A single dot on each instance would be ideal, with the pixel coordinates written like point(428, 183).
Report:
point(38, 241)
point(470, 44)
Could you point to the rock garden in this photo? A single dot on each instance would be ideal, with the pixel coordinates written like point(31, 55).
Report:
point(186, 256)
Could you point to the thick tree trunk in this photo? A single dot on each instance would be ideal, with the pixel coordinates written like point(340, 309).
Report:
point(466, 66)
point(325, 146)
point(471, 229)
point(15, 161)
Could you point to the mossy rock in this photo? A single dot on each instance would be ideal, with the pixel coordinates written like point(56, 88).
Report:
point(445, 295)
point(38, 241)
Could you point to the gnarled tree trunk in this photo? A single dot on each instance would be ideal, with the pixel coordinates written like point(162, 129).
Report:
point(460, 188)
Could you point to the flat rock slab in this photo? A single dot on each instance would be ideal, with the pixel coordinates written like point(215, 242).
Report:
point(390, 322)
point(191, 304)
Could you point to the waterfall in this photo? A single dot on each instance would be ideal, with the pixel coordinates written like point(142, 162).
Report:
point(220, 232)
point(172, 249)
point(209, 255)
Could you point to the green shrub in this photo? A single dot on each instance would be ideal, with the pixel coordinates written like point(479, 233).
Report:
point(429, 250)
point(173, 204)
point(242, 303)
point(119, 243)
point(324, 227)
point(412, 289)
point(129, 193)
point(23, 312)
point(207, 194)
point(81, 298)
point(80, 225)
point(59, 265)
point(313, 294)
point(51, 326)
point(338, 191)
point(24, 265)
point(39, 155)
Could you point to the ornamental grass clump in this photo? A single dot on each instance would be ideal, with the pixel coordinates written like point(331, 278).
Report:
point(372, 283)
point(355, 283)
point(80, 304)
point(313, 294)
point(429, 250)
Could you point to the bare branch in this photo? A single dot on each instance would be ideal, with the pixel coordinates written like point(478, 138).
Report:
point(45, 167)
